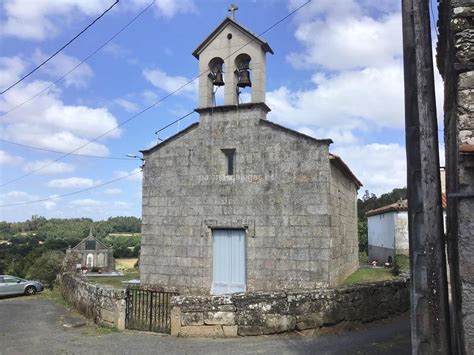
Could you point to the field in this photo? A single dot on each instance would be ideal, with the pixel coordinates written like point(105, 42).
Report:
point(125, 263)
point(369, 274)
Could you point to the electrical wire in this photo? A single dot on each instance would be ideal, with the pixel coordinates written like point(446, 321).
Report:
point(153, 104)
point(71, 193)
point(82, 61)
point(59, 50)
point(172, 123)
point(58, 152)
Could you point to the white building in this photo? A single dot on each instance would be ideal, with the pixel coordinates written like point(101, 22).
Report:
point(388, 230)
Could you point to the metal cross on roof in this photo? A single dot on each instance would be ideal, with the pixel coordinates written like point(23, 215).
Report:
point(233, 8)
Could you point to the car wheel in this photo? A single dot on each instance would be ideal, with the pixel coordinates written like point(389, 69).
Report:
point(30, 290)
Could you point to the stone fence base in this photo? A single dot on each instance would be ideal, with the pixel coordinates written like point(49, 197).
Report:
point(105, 305)
point(268, 313)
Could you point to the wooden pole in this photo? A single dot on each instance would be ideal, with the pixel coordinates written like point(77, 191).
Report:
point(429, 301)
point(419, 319)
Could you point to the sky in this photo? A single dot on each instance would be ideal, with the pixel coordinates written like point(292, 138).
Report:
point(337, 72)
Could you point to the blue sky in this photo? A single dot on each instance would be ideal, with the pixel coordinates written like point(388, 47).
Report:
point(336, 73)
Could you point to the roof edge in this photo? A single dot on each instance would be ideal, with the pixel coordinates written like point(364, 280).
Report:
point(169, 139)
point(226, 108)
point(265, 46)
point(337, 160)
point(295, 133)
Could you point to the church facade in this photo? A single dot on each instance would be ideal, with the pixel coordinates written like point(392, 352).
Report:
point(237, 203)
point(92, 253)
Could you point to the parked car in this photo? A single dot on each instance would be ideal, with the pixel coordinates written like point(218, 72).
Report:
point(11, 285)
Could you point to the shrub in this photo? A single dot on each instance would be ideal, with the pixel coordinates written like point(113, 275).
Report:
point(401, 264)
point(46, 267)
point(363, 257)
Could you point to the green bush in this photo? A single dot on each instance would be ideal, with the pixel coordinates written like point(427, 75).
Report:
point(46, 267)
point(401, 264)
point(363, 257)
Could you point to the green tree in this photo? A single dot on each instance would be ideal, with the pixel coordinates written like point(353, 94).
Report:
point(47, 267)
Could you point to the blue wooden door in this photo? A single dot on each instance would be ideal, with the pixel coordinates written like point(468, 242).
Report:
point(228, 261)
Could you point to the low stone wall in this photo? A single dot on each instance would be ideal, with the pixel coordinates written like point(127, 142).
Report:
point(277, 312)
point(105, 305)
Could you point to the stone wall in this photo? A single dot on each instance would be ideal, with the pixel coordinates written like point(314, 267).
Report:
point(104, 305)
point(344, 234)
point(401, 233)
point(455, 57)
point(279, 194)
point(268, 313)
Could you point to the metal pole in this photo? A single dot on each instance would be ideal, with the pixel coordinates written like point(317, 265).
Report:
point(419, 320)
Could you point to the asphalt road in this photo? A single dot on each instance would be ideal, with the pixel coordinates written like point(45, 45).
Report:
point(35, 326)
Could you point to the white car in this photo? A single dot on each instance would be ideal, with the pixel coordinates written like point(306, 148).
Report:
point(11, 285)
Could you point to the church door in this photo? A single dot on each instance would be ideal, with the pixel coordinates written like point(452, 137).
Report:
point(229, 264)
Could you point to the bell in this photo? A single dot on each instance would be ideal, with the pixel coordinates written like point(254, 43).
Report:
point(244, 79)
point(218, 79)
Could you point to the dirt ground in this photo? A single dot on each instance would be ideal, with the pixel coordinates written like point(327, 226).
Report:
point(36, 325)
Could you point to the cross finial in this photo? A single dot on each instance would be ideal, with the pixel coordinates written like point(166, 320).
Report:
point(232, 9)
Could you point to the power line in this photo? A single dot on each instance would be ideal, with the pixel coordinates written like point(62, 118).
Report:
point(72, 193)
point(172, 123)
point(58, 152)
point(59, 50)
point(82, 61)
point(153, 104)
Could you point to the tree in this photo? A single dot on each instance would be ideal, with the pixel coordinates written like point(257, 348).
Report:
point(47, 267)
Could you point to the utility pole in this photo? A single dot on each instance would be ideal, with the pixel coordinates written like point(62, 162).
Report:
point(429, 291)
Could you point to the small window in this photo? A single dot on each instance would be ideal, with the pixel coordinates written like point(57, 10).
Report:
point(230, 155)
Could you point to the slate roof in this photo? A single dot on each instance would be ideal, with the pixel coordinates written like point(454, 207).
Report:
point(221, 27)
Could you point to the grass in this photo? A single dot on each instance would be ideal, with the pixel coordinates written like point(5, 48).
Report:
point(366, 275)
point(114, 281)
point(125, 263)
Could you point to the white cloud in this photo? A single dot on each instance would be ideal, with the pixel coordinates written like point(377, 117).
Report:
point(61, 64)
point(380, 167)
point(10, 70)
point(113, 191)
point(347, 100)
point(73, 182)
point(149, 97)
point(38, 20)
point(170, 8)
point(48, 122)
point(126, 105)
point(169, 83)
point(347, 43)
point(52, 168)
point(138, 175)
point(16, 197)
point(8, 159)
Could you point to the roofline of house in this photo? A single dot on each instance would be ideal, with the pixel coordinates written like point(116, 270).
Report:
point(218, 29)
point(396, 207)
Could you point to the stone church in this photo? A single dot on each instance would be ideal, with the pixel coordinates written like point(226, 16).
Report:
point(92, 253)
point(237, 203)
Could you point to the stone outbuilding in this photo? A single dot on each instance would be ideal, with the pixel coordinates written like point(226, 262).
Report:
point(237, 203)
point(93, 253)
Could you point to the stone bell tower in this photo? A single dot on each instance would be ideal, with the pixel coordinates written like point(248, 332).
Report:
point(231, 58)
